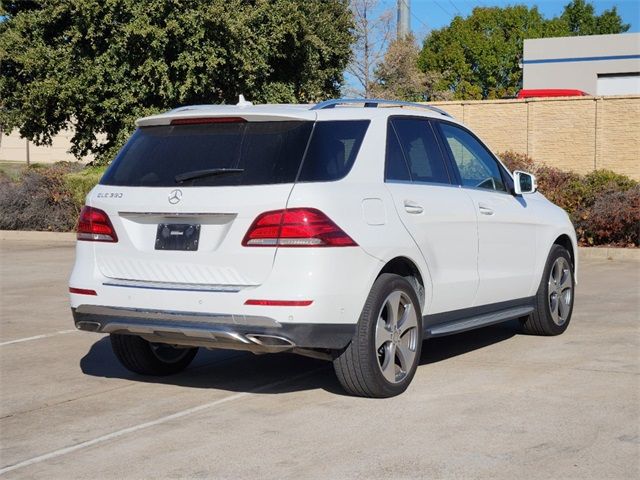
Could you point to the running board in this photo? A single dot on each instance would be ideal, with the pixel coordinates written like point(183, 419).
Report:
point(477, 321)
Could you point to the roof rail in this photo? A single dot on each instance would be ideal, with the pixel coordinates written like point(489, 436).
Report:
point(374, 103)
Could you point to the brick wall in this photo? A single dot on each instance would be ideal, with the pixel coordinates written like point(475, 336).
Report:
point(572, 133)
point(14, 148)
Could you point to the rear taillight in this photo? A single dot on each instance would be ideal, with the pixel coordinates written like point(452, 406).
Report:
point(94, 225)
point(296, 227)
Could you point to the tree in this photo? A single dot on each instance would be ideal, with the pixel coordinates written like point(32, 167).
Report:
point(372, 33)
point(479, 56)
point(579, 18)
point(398, 76)
point(99, 64)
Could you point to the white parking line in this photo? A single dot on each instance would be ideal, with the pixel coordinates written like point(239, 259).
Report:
point(158, 421)
point(37, 337)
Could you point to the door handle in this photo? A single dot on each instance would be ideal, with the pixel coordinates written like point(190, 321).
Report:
point(412, 207)
point(484, 210)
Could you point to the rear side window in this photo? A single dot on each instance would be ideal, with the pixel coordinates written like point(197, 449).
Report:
point(396, 166)
point(261, 152)
point(332, 150)
point(421, 152)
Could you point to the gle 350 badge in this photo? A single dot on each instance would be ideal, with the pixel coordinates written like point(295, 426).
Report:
point(109, 195)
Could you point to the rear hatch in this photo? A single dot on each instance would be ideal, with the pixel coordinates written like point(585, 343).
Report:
point(184, 191)
point(182, 195)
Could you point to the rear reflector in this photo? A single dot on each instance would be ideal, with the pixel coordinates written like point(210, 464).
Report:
point(280, 303)
point(206, 120)
point(296, 227)
point(94, 226)
point(82, 291)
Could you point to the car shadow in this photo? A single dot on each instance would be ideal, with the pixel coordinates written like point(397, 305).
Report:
point(442, 348)
point(236, 371)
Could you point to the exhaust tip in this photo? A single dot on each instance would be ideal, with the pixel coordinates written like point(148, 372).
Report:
point(270, 340)
point(88, 326)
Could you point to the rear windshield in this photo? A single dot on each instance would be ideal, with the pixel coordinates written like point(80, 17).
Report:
point(224, 154)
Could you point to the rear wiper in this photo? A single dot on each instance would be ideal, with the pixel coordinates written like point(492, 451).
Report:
point(210, 172)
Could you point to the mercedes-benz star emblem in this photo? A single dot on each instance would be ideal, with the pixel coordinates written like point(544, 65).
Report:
point(175, 196)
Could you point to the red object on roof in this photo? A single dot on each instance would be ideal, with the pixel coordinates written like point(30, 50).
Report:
point(551, 92)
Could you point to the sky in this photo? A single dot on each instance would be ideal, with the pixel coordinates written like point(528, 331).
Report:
point(427, 15)
point(432, 14)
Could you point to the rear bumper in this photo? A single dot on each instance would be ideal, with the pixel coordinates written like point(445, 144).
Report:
point(239, 332)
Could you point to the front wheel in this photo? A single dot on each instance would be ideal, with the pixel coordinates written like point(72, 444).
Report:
point(146, 358)
point(384, 353)
point(554, 300)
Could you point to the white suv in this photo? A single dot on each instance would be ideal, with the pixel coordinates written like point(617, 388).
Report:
point(333, 230)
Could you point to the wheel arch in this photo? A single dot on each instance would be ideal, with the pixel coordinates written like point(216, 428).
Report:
point(407, 268)
point(565, 241)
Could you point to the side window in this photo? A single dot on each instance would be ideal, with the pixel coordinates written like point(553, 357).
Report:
point(396, 166)
point(421, 151)
point(332, 150)
point(476, 165)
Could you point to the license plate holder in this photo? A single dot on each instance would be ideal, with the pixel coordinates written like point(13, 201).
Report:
point(177, 236)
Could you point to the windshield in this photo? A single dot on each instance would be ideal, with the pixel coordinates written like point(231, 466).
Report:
point(239, 153)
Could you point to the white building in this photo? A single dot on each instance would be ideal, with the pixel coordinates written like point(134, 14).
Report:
point(595, 64)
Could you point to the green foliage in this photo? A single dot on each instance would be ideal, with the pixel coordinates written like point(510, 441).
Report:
point(479, 56)
point(580, 19)
point(100, 64)
point(604, 206)
point(80, 184)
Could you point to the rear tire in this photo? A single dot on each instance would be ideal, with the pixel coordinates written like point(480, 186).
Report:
point(146, 358)
point(554, 300)
point(384, 353)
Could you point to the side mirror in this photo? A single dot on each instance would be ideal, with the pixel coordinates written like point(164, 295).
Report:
point(524, 182)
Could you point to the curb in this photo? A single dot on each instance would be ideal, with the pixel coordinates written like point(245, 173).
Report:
point(608, 253)
point(585, 253)
point(33, 236)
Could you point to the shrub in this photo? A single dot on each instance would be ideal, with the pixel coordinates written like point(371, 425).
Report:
point(614, 219)
point(38, 200)
point(518, 161)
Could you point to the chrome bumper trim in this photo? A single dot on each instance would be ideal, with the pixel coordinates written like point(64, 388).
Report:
point(184, 287)
point(174, 316)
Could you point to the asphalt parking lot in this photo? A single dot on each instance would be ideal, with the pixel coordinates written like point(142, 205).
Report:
point(486, 404)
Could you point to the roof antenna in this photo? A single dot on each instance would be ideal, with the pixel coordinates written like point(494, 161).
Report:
point(242, 102)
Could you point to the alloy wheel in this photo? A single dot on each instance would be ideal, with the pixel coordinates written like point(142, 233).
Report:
point(560, 291)
point(167, 353)
point(396, 339)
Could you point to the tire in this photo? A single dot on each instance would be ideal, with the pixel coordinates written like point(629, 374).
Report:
point(145, 358)
point(555, 297)
point(367, 371)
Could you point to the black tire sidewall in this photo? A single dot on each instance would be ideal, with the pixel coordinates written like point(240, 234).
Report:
point(542, 299)
point(383, 287)
point(136, 355)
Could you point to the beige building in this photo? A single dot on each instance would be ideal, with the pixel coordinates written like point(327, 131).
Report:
point(596, 64)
